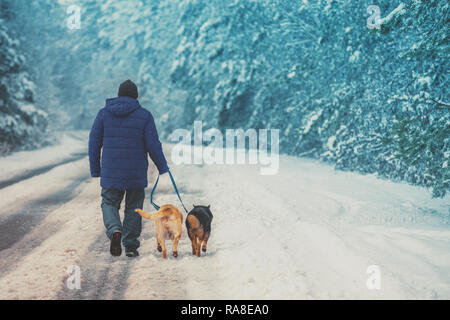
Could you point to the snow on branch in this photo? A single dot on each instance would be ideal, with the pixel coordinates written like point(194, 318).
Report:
point(396, 12)
point(440, 103)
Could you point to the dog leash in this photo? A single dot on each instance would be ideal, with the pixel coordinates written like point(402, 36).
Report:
point(175, 188)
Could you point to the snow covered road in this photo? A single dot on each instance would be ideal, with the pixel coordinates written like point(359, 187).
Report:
point(308, 232)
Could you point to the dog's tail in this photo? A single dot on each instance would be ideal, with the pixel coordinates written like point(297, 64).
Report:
point(146, 215)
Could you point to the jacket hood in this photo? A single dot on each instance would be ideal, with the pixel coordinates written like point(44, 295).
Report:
point(122, 106)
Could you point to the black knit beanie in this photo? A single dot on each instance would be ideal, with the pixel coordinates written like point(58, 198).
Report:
point(128, 89)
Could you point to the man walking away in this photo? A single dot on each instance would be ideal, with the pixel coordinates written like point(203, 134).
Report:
point(123, 133)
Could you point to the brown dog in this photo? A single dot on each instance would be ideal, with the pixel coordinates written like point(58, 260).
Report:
point(198, 224)
point(168, 222)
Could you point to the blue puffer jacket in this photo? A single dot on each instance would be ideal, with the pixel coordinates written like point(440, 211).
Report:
point(126, 132)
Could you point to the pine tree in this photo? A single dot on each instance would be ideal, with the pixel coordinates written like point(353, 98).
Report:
point(21, 124)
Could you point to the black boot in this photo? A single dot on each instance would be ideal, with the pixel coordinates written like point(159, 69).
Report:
point(131, 252)
point(115, 247)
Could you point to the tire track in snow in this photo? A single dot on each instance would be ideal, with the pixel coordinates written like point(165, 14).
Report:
point(41, 170)
point(28, 220)
point(15, 226)
point(103, 277)
point(40, 273)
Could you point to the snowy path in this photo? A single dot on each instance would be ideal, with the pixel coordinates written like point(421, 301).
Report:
point(309, 232)
point(26, 164)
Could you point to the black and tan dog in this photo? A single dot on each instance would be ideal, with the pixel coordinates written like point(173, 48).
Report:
point(198, 224)
point(168, 222)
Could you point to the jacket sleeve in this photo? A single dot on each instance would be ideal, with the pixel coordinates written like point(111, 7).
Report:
point(95, 145)
point(154, 147)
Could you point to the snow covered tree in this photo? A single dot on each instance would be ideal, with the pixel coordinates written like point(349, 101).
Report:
point(21, 123)
point(372, 100)
point(343, 87)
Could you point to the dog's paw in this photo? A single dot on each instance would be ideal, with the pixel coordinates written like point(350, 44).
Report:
point(175, 254)
point(204, 249)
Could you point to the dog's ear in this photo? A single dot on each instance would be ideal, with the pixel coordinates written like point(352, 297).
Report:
point(209, 206)
point(194, 205)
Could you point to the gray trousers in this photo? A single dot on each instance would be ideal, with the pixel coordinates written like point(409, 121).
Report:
point(132, 222)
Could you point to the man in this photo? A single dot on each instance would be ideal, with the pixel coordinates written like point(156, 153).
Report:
point(123, 133)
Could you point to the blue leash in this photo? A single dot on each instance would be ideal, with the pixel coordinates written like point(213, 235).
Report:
point(175, 188)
